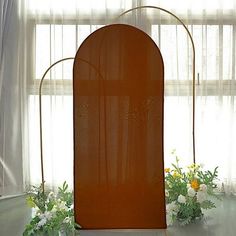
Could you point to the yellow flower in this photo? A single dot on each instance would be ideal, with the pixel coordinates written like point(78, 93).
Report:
point(194, 166)
point(194, 184)
point(167, 170)
point(177, 175)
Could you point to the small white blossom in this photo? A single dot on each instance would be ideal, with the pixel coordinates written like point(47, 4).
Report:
point(67, 220)
point(46, 215)
point(168, 184)
point(71, 207)
point(181, 199)
point(203, 188)
point(54, 209)
point(191, 192)
point(42, 222)
point(201, 197)
point(62, 206)
point(188, 186)
point(51, 195)
point(166, 193)
point(41, 216)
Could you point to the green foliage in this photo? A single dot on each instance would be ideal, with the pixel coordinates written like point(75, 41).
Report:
point(188, 192)
point(54, 213)
point(208, 205)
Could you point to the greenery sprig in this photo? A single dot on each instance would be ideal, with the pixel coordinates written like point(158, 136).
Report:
point(54, 213)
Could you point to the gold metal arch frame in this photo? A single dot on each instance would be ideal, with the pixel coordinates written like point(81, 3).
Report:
point(40, 116)
point(40, 109)
point(72, 58)
point(193, 61)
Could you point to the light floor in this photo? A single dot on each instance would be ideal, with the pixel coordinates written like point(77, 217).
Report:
point(14, 214)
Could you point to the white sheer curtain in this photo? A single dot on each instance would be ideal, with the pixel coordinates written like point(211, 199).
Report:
point(11, 100)
point(57, 30)
point(51, 30)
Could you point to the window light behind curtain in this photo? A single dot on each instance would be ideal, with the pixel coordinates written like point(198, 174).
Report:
point(51, 30)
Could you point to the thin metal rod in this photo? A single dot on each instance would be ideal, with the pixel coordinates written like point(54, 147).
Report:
point(40, 107)
point(193, 75)
point(40, 117)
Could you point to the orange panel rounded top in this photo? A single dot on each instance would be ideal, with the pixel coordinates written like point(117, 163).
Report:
point(118, 130)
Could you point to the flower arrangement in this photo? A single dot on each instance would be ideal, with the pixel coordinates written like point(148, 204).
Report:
point(188, 192)
point(54, 213)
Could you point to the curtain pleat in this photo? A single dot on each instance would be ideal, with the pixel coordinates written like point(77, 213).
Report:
point(11, 158)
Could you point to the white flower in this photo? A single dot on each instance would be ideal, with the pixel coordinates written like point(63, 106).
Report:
point(62, 206)
point(42, 222)
point(201, 196)
point(191, 192)
point(67, 220)
point(181, 199)
point(166, 193)
point(188, 186)
point(54, 209)
point(172, 208)
point(71, 207)
point(203, 188)
point(47, 215)
point(41, 216)
point(51, 195)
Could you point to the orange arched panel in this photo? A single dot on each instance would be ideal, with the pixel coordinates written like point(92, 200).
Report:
point(118, 131)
